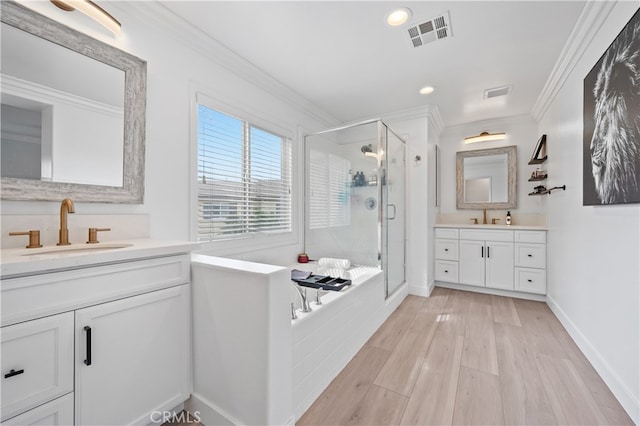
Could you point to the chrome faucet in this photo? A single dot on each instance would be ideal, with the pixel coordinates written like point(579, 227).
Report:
point(65, 207)
point(302, 292)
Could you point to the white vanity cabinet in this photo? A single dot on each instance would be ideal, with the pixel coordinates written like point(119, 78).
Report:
point(492, 257)
point(101, 344)
point(486, 258)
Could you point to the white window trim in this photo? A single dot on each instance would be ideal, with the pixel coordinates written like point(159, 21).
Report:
point(205, 97)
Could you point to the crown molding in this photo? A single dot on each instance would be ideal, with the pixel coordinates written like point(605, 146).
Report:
point(173, 26)
point(591, 19)
point(430, 112)
point(498, 124)
point(435, 119)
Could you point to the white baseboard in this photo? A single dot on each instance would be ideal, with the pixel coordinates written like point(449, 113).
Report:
point(420, 290)
point(624, 395)
point(494, 291)
point(208, 412)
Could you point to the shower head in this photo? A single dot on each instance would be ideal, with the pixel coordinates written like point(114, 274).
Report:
point(367, 150)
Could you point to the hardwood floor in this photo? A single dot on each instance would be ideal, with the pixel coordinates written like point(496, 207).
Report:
point(466, 358)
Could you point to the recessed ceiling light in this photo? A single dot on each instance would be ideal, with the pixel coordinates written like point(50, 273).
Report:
point(398, 16)
point(426, 90)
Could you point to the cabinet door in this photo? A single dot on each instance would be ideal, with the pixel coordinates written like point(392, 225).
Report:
point(132, 357)
point(471, 264)
point(499, 264)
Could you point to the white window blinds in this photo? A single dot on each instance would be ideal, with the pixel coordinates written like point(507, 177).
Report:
point(329, 190)
point(244, 178)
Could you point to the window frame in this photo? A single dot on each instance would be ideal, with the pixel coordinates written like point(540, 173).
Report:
point(253, 241)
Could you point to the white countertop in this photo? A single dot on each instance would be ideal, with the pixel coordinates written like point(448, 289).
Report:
point(480, 226)
point(23, 261)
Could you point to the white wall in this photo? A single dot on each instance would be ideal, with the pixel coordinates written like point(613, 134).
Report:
point(593, 274)
point(178, 62)
point(419, 207)
point(522, 132)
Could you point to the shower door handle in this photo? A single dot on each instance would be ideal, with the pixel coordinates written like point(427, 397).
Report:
point(394, 211)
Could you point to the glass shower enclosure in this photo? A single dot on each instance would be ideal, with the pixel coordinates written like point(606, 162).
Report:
point(355, 193)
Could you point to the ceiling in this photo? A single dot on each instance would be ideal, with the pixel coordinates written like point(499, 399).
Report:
point(342, 56)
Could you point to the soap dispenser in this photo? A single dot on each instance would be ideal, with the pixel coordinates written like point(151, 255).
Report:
point(508, 219)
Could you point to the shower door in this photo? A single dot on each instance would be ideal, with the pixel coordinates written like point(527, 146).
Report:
point(393, 221)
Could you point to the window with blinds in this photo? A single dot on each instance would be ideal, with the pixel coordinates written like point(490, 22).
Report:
point(244, 178)
point(329, 189)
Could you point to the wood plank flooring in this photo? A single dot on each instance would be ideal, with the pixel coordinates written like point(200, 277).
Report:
point(466, 358)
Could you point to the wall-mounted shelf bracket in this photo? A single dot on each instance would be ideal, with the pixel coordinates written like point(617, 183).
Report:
point(548, 191)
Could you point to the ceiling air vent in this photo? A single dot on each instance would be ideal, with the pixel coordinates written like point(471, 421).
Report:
point(430, 30)
point(496, 92)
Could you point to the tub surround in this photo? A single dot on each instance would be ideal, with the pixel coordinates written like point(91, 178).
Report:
point(241, 342)
point(328, 337)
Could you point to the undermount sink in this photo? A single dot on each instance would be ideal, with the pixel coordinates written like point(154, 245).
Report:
point(73, 249)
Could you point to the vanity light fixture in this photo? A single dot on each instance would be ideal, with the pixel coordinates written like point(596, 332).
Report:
point(485, 137)
point(92, 10)
point(398, 16)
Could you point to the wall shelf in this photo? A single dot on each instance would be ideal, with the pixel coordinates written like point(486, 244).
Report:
point(536, 179)
point(538, 160)
point(548, 191)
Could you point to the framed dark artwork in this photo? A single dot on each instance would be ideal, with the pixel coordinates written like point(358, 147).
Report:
point(611, 122)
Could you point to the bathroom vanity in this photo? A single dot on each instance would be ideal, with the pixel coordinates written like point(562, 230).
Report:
point(95, 334)
point(499, 259)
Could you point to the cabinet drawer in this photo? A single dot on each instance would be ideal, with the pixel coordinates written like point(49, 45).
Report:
point(531, 280)
point(531, 255)
point(446, 271)
point(58, 412)
point(37, 362)
point(447, 249)
point(37, 296)
point(486, 235)
point(538, 237)
point(447, 233)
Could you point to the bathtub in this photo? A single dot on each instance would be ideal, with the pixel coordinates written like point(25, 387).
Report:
point(252, 364)
point(325, 339)
point(356, 273)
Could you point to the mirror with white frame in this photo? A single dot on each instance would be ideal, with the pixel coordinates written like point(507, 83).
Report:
point(486, 178)
point(73, 113)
